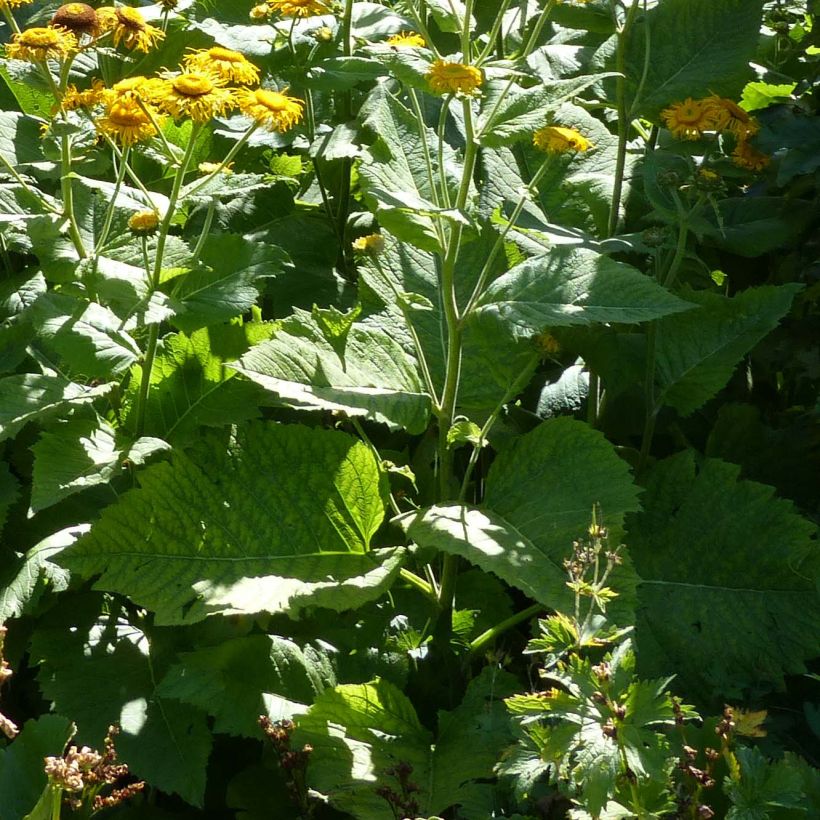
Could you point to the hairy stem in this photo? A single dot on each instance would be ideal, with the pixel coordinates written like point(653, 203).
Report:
point(477, 644)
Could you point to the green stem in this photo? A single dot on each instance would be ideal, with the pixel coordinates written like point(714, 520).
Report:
point(153, 331)
point(623, 118)
point(12, 23)
point(477, 644)
point(536, 32)
point(109, 215)
point(238, 146)
point(67, 192)
point(419, 583)
point(465, 32)
point(206, 230)
point(442, 175)
point(343, 210)
point(56, 802)
point(494, 32)
point(20, 181)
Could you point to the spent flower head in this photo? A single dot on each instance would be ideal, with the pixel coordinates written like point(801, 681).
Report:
point(748, 157)
point(128, 27)
point(143, 223)
point(78, 18)
point(370, 244)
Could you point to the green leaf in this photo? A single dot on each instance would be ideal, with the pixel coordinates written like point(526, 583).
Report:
point(539, 499)
point(36, 397)
point(18, 293)
point(81, 453)
point(697, 48)
point(87, 336)
point(22, 778)
point(241, 679)
point(20, 142)
point(372, 377)
point(192, 388)
point(573, 286)
point(102, 672)
point(21, 585)
point(226, 283)
point(360, 731)
point(761, 95)
point(279, 518)
point(9, 492)
point(723, 607)
point(763, 790)
point(697, 352)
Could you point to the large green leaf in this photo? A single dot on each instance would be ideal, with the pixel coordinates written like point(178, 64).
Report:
point(698, 351)
point(277, 678)
point(363, 372)
point(359, 732)
point(728, 596)
point(696, 48)
point(22, 778)
point(278, 518)
point(29, 397)
point(539, 499)
point(573, 286)
point(765, 790)
point(82, 453)
point(20, 142)
point(192, 388)
point(103, 672)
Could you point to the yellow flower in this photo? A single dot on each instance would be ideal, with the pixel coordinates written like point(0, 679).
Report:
point(125, 122)
point(299, 8)
point(747, 156)
point(272, 109)
point(199, 95)
point(555, 139)
point(39, 44)
point(547, 344)
point(144, 222)
point(13, 4)
point(373, 244)
point(78, 18)
point(128, 26)
point(73, 98)
point(209, 168)
point(261, 12)
point(689, 119)
point(446, 77)
point(230, 65)
point(729, 116)
point(138, 86)
point(407, 39)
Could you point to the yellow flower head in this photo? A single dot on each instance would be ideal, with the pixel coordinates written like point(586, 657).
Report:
point(371, 244)
point(689, 119)
point(13, 4)
point(144, 223)
point(230, 65)
point(260, 12)
point(136, 87)
point(445, 77)
point(39, 44)
point(555, 139)
point(209, 168)
point(125, 122)
point(547, 344)
point(273, 110)
point(299, 8)
point(407, 39)
point(200, 95)
point(128, 26)
point(747, 156)
point(73, 98)
point(79, 18)
point(729, 116)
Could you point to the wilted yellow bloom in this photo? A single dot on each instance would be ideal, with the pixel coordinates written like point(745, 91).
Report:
point(689, 119)
point(144, 222)
point(73, 98)
point(407, 39)
point(273, 110)
point(126, 123)
point(39, 44)
point(79, 18)
point(445, 77)
point(199, 95)
point(747, 156)
point(373, 244)
point(729, 116)
point(555, 139)
point(128, 26)
point(299, 8)
point(230, 65)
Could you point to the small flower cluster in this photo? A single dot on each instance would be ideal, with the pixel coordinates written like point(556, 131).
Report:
point(292, 761)
point(691, 119)
point(83, 773)
point(403, 803)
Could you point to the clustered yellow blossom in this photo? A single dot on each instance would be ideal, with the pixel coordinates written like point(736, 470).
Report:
point(144, 223)
point(407, 39)
point(128, 28)
point(372, 244)
point(447, 77)
point(273, 110)
point(74, 98)
point(691, 119)
point(231, 66)
point(556, 139)
point(39, 44)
